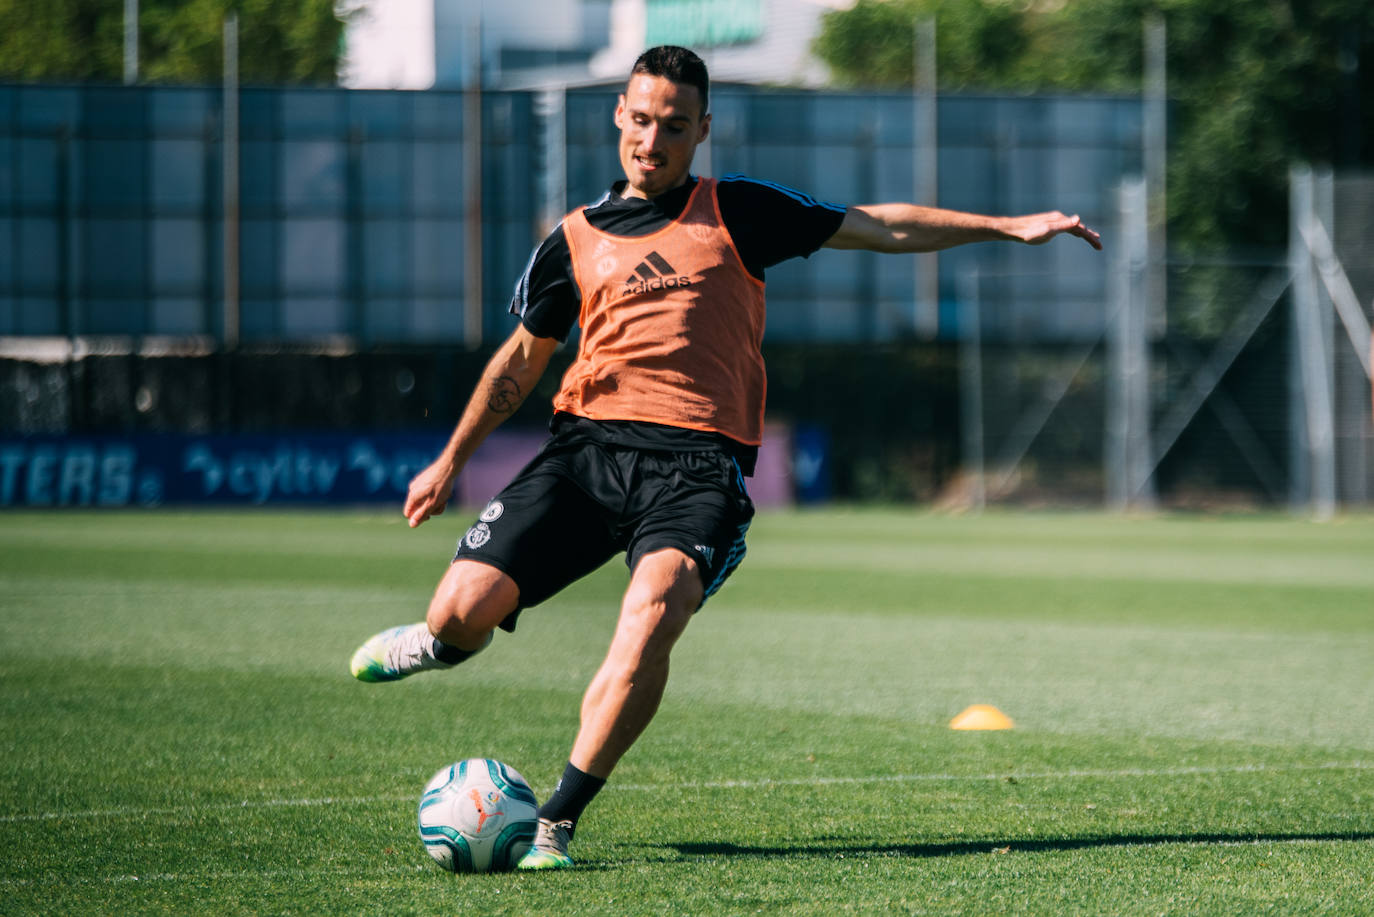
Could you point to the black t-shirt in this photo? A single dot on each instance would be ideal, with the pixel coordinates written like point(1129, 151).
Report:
point(768, 223)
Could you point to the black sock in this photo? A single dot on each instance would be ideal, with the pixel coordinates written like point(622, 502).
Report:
point(453, 655)
point(574, 791)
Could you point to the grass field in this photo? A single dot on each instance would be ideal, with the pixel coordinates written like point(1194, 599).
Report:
point(1193, 697)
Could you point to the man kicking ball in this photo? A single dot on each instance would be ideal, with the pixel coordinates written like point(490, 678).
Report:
point(658, 420)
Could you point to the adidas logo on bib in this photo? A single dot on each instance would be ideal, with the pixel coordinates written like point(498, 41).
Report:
point(654, 273)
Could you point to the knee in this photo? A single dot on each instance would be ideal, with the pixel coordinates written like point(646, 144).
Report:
point(470, 603)
point(649, 627)
point(664, 592)
point(653, 612)
point(445, 613)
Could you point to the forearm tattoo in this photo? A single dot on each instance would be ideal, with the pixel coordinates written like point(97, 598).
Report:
point(505, 395)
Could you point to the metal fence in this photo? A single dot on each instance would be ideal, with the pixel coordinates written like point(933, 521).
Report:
point(1043, 374)
point(995, 155)
point(1253, 388)
point(112, 212)
point(356, 216)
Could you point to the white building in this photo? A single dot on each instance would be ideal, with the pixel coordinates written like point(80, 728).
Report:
point(390, 45)
point(419, 44)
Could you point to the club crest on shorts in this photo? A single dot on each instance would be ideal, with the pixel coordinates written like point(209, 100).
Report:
point(492, 512)
point(478, 535)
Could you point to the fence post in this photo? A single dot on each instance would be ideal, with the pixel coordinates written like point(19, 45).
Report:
point(130, 42)
point(1349, 355)
point(230, 190)
point(971, 384)
point(1156, 158)
point(1129, 469)
point(473, 288)
point(926, 174)
point(1312, 442)
point(551, 107)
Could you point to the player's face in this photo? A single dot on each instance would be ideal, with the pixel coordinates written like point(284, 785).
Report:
point(660, 124)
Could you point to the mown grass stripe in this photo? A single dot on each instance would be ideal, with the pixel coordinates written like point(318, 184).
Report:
point(312, 873)
point(755, 784)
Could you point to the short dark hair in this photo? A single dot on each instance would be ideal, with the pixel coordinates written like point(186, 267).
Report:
point(677, 64)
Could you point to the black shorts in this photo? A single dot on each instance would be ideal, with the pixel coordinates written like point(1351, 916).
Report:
point(578, 504)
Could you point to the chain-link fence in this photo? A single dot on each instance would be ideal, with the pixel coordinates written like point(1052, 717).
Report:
point(1252, 388)
point(1043, 375)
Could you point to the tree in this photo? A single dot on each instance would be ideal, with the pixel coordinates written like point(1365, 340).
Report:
point(180, 41)
point(980, 45)
point(1254, 87)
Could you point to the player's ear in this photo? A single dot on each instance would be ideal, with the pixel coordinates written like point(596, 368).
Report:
point(705, 128)
point(620, 112)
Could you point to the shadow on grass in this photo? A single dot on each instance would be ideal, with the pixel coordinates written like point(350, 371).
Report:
point(967, 848)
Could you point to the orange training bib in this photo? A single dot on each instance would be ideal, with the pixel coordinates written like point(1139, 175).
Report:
point(672, 323)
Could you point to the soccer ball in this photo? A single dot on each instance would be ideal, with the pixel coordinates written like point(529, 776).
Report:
point(478, 815)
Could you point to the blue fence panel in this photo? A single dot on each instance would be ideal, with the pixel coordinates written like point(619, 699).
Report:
point(354, 212)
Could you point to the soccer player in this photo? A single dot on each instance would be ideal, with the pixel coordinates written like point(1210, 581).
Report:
point(658, 420)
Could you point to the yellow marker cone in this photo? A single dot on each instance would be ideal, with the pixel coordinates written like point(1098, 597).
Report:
point(981, 716)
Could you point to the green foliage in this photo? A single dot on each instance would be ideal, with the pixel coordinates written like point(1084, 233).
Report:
point(980, 45)
point(1254, 86)
point(180, 41)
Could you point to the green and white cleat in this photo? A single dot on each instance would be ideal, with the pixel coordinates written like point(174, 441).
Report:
point(393, 654)
point(550, 847)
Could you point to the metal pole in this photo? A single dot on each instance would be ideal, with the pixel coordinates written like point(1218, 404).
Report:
point(1129, 469)
point(1350, 378)
point(69, 320)
point(552, 106)
point(1156, 138)
point(971, 384)
point(356, 269)
point(472, 190)
point(130, 42)
point(1140, 465)
point(1299, 455)
point(1114, 450)
point(927, 176)
point(231, 181)
point(1312, 434)
point(1337, 283)
point(69, 323)
point(1323, 204)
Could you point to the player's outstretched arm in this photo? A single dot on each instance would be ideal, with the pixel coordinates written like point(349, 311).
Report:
point(912, 228)
point(508, 379)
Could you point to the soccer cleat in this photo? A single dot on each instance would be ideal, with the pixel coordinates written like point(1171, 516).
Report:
point(550, 847)
point(393, 654)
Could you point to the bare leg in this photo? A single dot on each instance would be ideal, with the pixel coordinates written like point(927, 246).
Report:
point(470, 601)
point(623, 697)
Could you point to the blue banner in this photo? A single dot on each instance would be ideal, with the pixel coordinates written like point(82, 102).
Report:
point(248, 470)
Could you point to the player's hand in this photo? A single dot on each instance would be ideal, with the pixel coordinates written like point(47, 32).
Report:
point(429, 493)
point(1039, 228)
